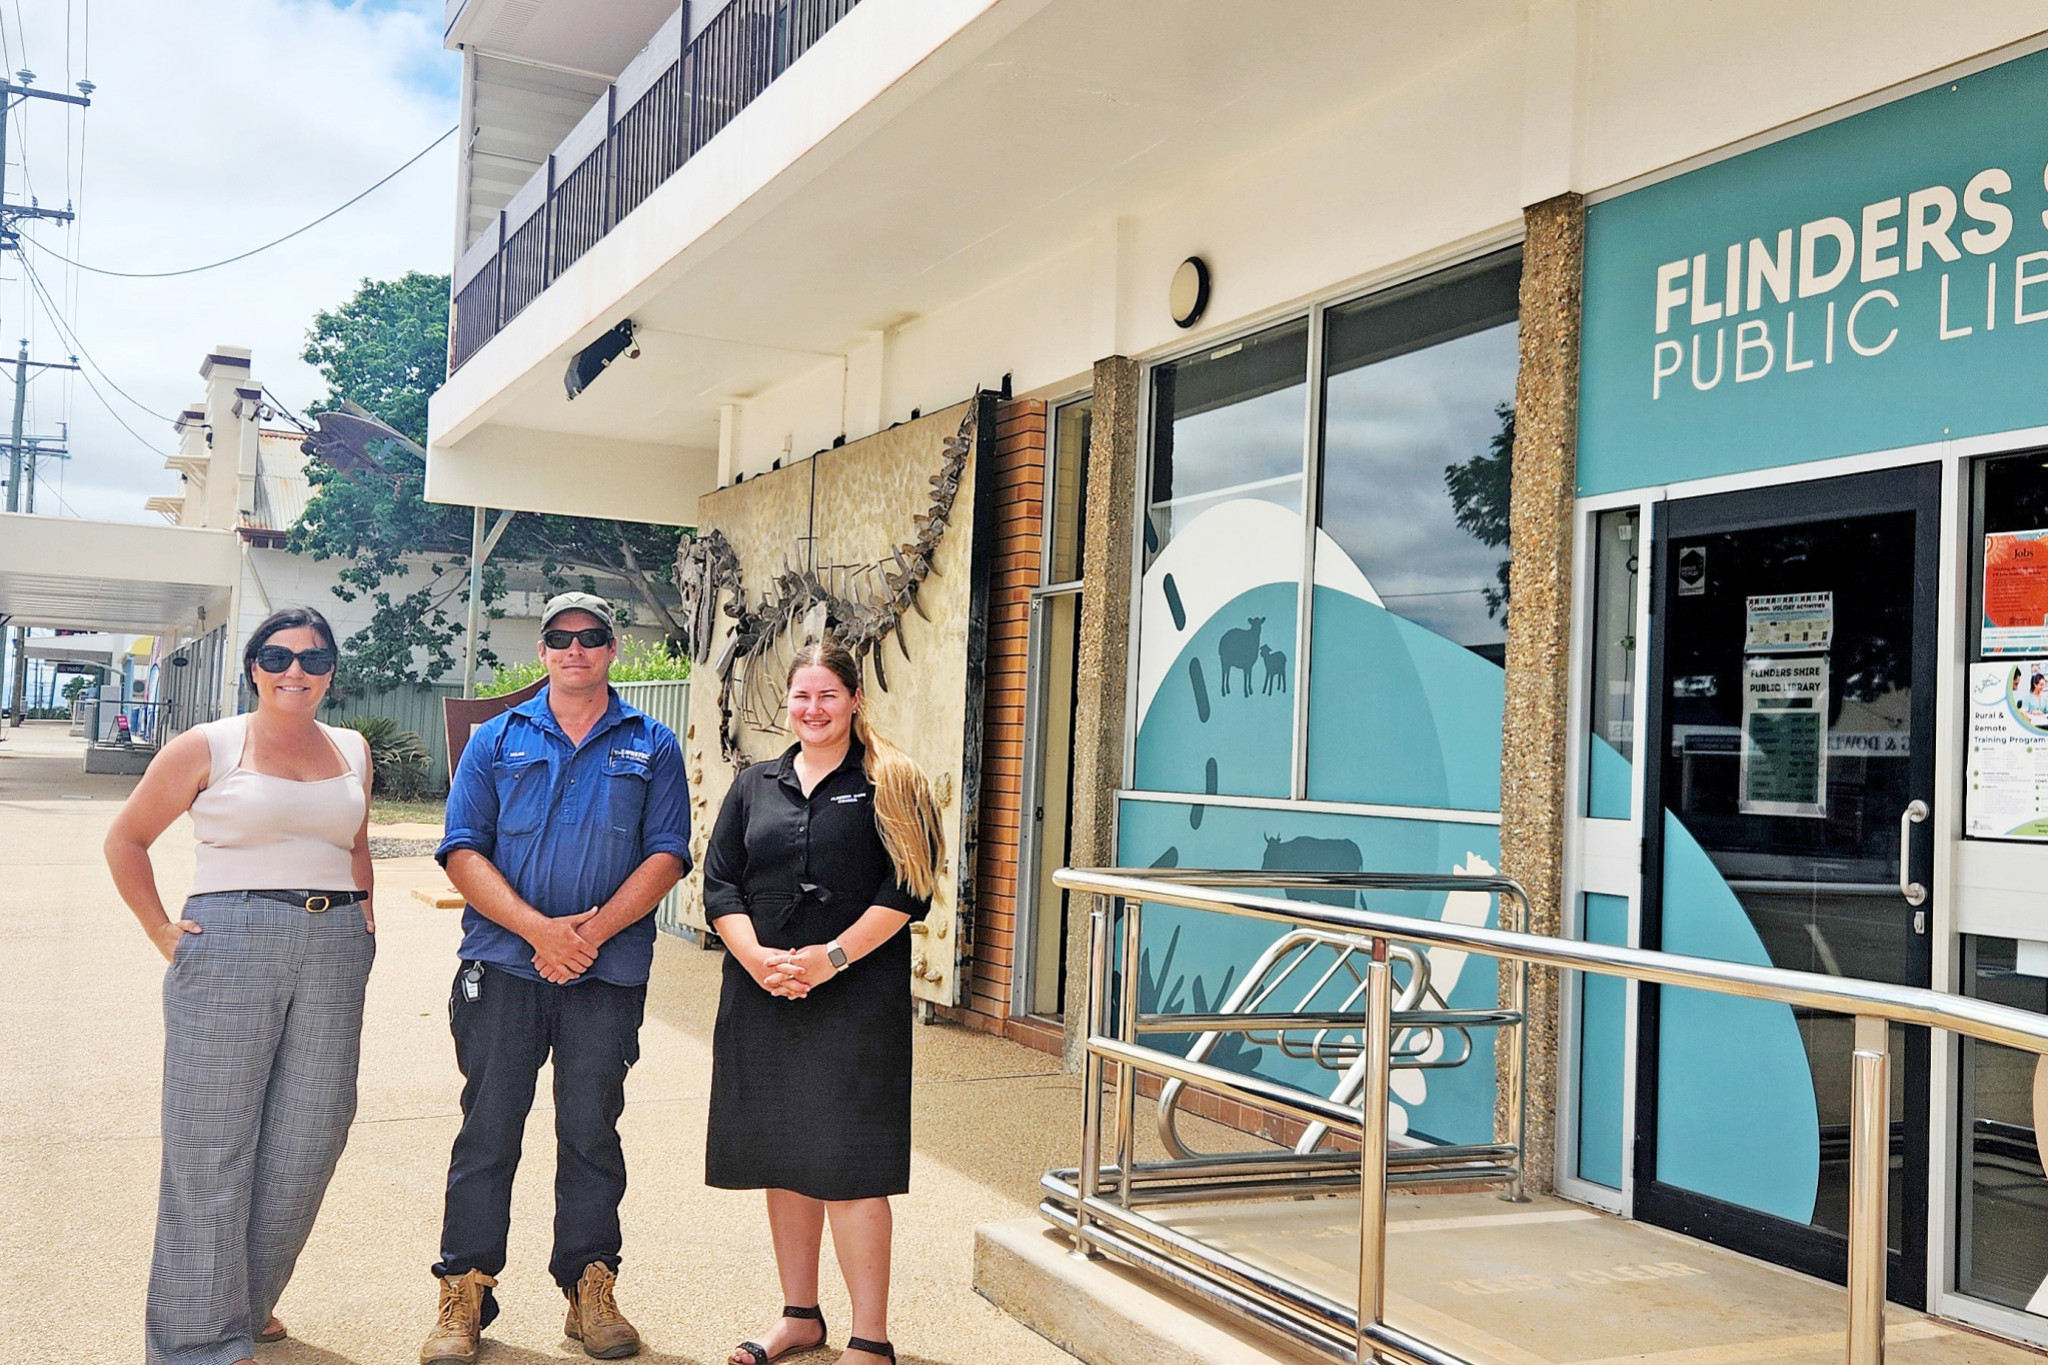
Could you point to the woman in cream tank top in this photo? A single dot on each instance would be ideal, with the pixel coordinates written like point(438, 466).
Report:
point(263, 1001)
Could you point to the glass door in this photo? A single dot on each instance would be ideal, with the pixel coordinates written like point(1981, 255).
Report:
point(1040, 985)
point(1792, 708)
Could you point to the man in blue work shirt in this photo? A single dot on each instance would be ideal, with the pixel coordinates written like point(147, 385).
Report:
point(568, 821)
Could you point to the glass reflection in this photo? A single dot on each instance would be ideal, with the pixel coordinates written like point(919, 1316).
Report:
point(1418, 430)
point(1073, 428)
point(1228, 423)
point(1611, 746)
point(2002, 1234)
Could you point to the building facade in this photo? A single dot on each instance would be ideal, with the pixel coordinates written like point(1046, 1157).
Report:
point(1591, 441)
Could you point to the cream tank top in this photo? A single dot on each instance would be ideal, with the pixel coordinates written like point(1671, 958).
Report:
point(263, 833)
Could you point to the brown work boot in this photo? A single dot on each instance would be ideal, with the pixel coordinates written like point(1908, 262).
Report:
point(595, 1319)
point(454, 1338)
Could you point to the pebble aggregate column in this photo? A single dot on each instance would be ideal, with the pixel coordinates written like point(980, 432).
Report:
point(1534, 804)
point(1108, 533)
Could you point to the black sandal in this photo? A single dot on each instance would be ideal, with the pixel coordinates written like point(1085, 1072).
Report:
point(873, 1348)
point(811, 1314)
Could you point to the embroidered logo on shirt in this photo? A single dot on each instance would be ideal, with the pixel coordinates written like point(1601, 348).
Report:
point(850, 799)
point(637, 756)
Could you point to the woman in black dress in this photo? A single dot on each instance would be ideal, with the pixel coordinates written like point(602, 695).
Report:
point(818, 861)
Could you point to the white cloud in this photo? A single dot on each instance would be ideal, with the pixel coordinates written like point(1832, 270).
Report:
point(215, 127)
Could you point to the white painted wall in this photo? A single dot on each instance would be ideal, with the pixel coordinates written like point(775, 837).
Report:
point(1416, 164)
point(1582, 95)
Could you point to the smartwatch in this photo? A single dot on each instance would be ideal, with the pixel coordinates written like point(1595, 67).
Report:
point(836, 955)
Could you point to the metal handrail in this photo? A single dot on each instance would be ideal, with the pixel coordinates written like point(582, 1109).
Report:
point(1081, 1200)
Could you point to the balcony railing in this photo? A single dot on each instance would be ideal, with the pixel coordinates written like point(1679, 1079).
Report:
point(673, 98)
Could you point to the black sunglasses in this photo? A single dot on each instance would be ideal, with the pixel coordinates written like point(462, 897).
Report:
point(318, 661)
point(592, 637)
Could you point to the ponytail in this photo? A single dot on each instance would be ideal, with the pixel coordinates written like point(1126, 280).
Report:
point(906, 815)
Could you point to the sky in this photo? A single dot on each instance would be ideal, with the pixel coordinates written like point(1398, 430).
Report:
point(214, 127)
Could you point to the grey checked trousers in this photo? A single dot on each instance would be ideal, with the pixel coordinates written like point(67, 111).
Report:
point(263, 1019)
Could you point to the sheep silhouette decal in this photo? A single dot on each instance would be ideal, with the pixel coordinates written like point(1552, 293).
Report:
point(1239, 650)
point(1276, 668)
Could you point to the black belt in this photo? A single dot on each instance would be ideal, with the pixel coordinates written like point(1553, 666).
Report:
point(779, 907)
point(313, 902)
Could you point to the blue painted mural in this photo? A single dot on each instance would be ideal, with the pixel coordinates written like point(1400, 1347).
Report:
point(1191, 960)
point(1736, 1113)
point(1398, 716)
point(1603, 1064)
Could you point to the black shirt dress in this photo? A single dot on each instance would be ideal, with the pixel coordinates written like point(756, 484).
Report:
point(809, 1095)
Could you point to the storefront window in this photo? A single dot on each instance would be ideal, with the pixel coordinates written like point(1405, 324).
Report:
point(1418, 423)
point(1227, 425)
point(2001, 1249)
point(1066, 491)
point(2008, 736)
point(1611, 739)
point(1411, 604)
point(1223, 556)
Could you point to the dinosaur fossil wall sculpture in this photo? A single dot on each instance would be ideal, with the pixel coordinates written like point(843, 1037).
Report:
point(880, 543)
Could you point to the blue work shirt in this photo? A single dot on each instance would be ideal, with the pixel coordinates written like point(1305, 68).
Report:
point(567, 824)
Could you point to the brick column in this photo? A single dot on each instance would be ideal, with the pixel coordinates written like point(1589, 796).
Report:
point(1108, 534)
point(1534, 804)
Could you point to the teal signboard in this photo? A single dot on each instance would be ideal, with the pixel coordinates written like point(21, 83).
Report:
point(1875, 283)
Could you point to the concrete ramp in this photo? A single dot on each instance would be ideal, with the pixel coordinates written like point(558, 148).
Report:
point(1542, 1283)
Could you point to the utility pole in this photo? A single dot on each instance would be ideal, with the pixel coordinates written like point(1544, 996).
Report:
point(13, 92)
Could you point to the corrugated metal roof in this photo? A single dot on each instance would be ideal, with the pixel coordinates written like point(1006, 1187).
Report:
point(282, 489)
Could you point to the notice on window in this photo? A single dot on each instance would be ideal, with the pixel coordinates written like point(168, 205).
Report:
point(2016, 593)
point(1791, 623)
point(2008, 761)
point(1785, 736)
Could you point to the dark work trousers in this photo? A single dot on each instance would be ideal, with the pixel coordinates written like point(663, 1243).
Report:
point(501, 1038)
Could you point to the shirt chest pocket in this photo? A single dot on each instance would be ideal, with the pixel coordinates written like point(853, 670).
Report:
point(522, 784)
point(625, 801)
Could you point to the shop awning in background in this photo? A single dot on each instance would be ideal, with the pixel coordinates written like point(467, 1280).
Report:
point(113, 576)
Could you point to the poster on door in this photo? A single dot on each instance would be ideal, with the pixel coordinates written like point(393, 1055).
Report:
point(2008, 761)
point(1790, 623)
point(1785, 736)
point(2015, 593)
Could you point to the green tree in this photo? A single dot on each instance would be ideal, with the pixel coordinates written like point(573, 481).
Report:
point(1479, 490)
point(385, 351)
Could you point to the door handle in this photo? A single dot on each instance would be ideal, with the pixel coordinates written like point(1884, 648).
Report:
point(1913, 891)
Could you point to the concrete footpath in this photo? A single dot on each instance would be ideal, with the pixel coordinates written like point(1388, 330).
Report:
point(79, 1092)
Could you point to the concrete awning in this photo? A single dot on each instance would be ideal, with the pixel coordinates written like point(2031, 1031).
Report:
point(113, 575)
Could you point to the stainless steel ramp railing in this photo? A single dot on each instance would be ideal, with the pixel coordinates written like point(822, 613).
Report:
point(1102, 1204)
point(1424, 1021)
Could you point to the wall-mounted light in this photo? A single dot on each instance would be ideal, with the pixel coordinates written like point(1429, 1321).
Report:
point(1188, 295)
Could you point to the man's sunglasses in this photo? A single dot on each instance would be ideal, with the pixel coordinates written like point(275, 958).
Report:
point(594, 637)
point(318, 661)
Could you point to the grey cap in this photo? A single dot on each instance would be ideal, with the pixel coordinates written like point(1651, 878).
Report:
point(576, 601)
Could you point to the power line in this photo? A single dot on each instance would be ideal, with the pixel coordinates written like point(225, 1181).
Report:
point(194, 270)
point(86, 375)
point(55, 492)
point(286, 412)
point(66, 332)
